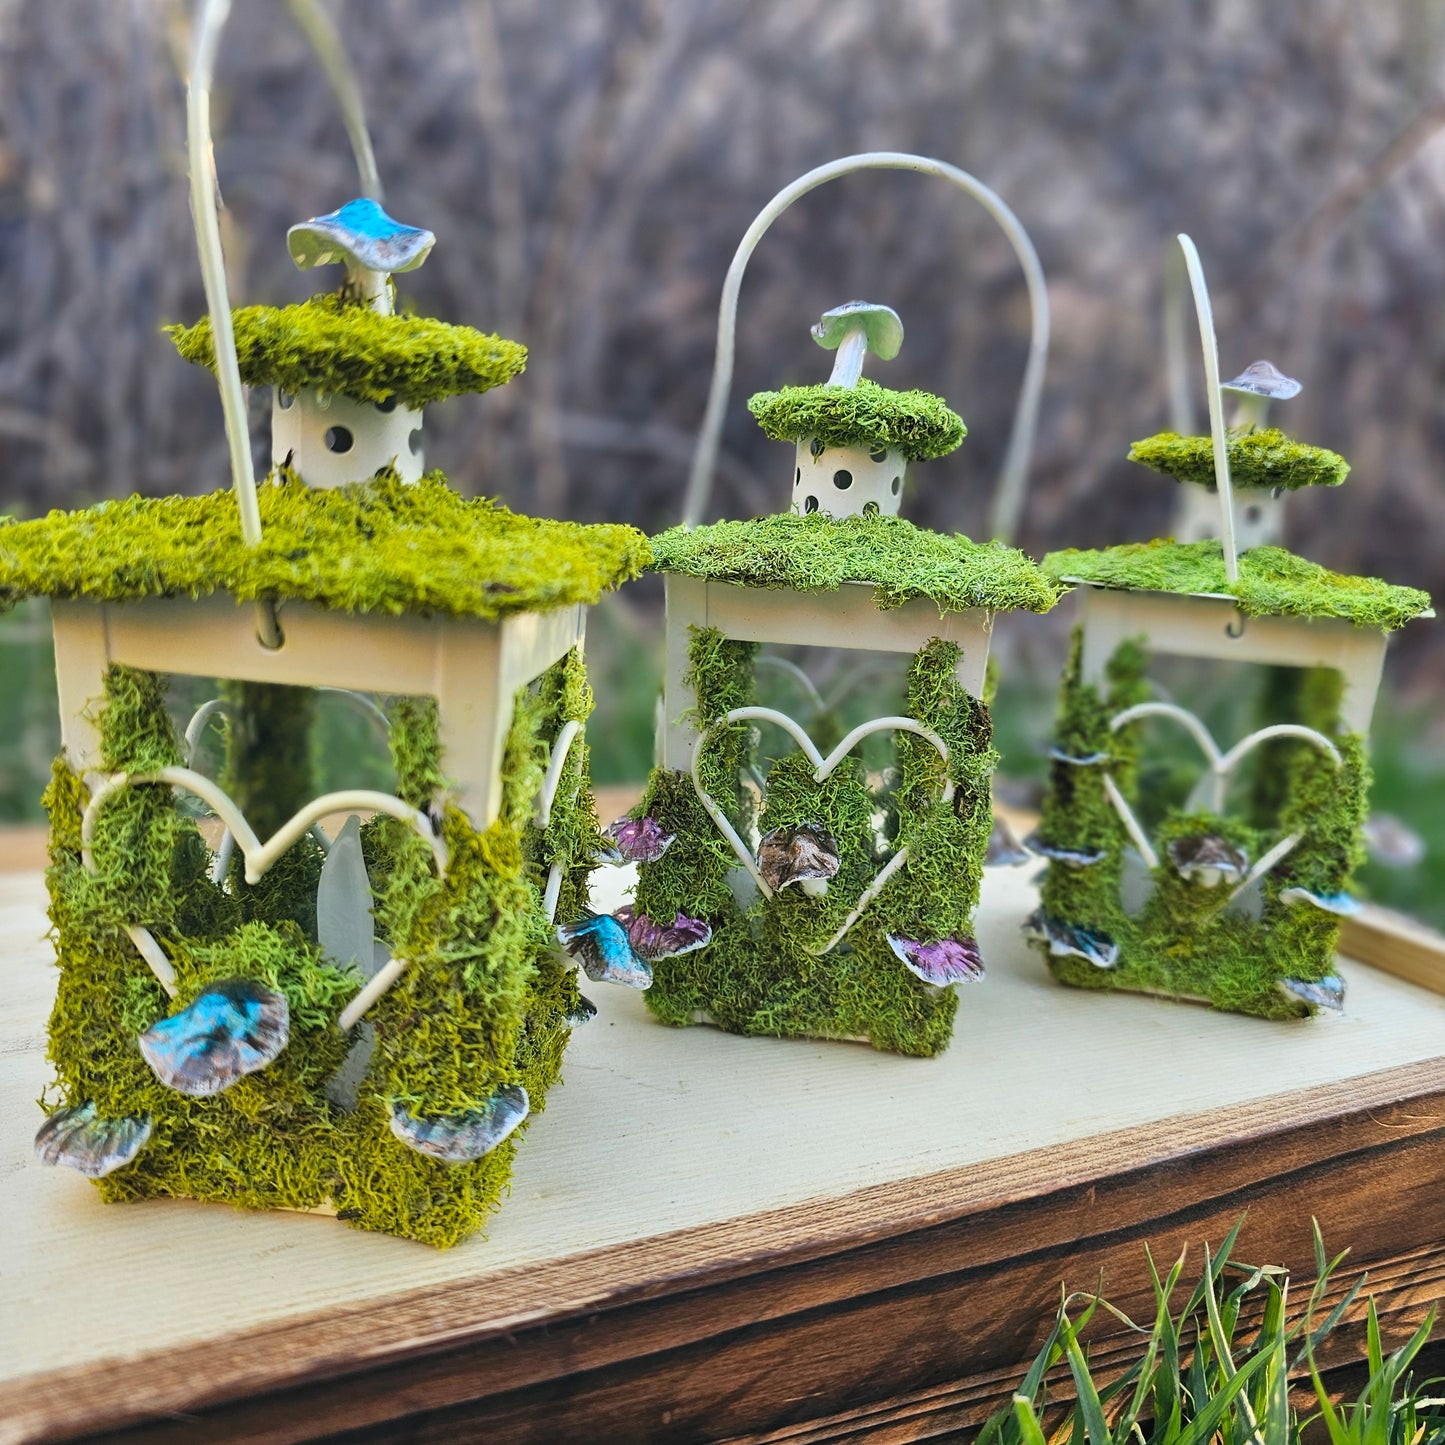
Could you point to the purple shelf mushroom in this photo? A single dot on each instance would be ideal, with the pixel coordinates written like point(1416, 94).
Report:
point(638, 840)
point(651, 940)
point(461, 1138)
point(79, 1139)
point(946, 961)
point(1260, 383)
point(806, 855)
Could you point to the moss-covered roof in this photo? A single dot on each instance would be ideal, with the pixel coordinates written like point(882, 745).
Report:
point(817, 553)
point(326, 344)
point(377, 546)
point(1272, 582)
point(917, 423)
point(1256, 459)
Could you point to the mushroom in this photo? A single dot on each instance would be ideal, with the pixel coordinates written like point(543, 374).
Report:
point(79, 1139)
point(1260, 383)
point(1068, 940)
point(1392, 843)
point(1074, 857)
point(460, 1138)
point(853, 330)
point(600, 943)
point(1208, 859)
point(949, 960)
point(638, 840)
point(1004, 849)
point(651, 940)
point(1315, 993)
point(370, 244)
point(583, 1013)
point(234, 1028)
point(1087, 760)
point(806, 855)
point(1343, 904)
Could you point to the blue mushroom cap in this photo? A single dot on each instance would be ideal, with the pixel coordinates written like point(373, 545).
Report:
point(359, 234)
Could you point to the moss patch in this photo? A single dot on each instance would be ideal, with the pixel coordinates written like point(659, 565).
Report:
point(1272, 581)
point(758, 975)
point(1267, 459)
point(377, 546)
point(483, 1002)
point(917, 423)
point(818, 554)
point(1176, 937)
point(327, 344)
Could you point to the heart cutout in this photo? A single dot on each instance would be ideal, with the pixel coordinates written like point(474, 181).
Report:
point(259, 857)
point(1221, 766)
point(822, 768)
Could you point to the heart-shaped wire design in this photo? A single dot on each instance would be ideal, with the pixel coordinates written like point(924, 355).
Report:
point(822, 767)
point(259, 857)
point(1221, 766)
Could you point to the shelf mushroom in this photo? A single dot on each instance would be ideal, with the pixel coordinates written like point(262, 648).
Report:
point(367, 242)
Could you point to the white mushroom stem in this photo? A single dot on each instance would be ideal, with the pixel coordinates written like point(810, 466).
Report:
point(1250, 412)
point(370, 286)
point(848, 363)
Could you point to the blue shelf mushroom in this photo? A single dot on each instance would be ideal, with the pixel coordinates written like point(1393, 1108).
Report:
point(371, 245)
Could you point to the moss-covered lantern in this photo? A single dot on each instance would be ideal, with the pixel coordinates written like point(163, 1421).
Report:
point(1197, 887)
point(354, 1019)
point(804, 896)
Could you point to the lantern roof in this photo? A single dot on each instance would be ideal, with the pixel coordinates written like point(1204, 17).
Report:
point(1272, 582)
point(374, 547)
point(1266, 459)
point(815, 553)
point(344, 347)
point(917, 423)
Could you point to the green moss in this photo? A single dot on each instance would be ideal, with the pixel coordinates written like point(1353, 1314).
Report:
point(1266, 459)
point(483, 1001)
point(378, 546)
point(758, 976)
point(917, 423)
point(1182, 940)
point(1272, 581)
point(818, 554)
point(329, 345)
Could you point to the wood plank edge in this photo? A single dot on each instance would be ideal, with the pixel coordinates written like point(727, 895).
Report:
point(332, 1344)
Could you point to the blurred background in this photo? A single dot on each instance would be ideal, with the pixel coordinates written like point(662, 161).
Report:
point(588, 167)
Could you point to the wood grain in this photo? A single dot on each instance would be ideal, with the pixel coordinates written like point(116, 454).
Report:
point(684, 1259)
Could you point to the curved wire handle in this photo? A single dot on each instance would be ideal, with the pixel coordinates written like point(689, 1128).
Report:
point(322, 36)
point(1209, 345)
point(1008, 501)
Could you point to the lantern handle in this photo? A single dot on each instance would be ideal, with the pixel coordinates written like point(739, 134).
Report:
point(321, 34)
point(1209, 346)
point(1013, 477)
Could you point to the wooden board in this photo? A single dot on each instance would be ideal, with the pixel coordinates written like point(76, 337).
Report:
point(721, 1238)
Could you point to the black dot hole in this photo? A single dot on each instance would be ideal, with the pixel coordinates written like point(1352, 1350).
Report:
point(817, 447)
point(842, 480)
point(339, 439)
point(897, 485)
point(386, 407)
point(879, 454)
point(810, 504)
point(870, 509)
point(284, 399)
point(414, 441)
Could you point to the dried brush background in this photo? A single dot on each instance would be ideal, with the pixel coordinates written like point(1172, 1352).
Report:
point(589, 165)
